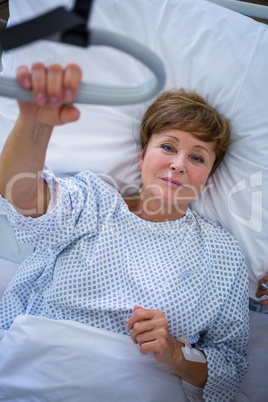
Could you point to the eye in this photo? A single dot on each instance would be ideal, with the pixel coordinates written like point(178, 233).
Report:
point(198, 158)
point(167, 147)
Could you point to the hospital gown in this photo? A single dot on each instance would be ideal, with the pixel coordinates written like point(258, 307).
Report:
point(94, 260)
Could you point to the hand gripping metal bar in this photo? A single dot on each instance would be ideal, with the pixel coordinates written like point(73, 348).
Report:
point(53, 27)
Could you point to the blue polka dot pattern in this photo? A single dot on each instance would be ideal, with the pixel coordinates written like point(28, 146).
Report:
point(94, 260)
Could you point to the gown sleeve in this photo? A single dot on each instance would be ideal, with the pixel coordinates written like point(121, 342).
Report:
point(225, 341)
point(75, 210)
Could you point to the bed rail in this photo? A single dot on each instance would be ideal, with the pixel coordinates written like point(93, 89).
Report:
point(250, 9)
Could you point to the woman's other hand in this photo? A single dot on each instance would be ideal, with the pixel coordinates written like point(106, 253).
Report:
point(149, 329)
point(51, 86)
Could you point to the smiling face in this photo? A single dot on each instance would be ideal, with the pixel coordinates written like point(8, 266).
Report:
point(175, 169)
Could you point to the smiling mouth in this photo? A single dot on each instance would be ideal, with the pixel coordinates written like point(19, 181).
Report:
point(172, 182)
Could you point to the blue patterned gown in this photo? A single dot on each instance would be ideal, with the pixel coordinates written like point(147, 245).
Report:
point(94, 260)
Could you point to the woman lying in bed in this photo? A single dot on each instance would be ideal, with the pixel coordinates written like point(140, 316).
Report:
point(148, 267)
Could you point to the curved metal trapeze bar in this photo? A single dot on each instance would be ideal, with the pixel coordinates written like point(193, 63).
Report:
point(89, 92)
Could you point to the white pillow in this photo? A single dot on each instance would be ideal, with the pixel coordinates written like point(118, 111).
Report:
point(212, 50)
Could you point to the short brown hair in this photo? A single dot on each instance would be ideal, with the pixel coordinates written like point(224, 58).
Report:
point(187, 111)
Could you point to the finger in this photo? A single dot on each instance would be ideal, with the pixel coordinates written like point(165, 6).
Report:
point(260, 288)
point(144, 328)
point(264, 285)
point(261, 293)
point(145, 337)
point(55, 84)
point(39, 83)
point(24, 77)
point(160, 346)
point(72, 79)
point(154, 346)
point(138, 315)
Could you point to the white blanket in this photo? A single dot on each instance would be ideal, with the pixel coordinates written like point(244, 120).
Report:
point(45, 360)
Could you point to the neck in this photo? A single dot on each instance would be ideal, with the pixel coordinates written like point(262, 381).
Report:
point(154, 211)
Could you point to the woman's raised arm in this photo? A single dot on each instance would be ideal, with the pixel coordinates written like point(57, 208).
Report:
point(23, 155)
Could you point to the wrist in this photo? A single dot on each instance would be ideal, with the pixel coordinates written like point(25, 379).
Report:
point(34, 123)
point(192, 370)
point(178, 357)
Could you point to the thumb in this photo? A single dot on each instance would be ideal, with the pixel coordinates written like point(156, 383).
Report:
point(69, 114)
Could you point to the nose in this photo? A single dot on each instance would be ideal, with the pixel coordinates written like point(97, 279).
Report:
point(178, 164)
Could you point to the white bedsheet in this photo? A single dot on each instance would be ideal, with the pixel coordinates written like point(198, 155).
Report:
point(46, 360)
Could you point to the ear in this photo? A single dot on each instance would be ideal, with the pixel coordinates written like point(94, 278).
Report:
point(141, 160)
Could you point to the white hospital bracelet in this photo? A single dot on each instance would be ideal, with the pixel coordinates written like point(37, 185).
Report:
point(193, 355)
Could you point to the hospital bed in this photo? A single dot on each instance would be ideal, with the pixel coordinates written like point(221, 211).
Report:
point(216, 51)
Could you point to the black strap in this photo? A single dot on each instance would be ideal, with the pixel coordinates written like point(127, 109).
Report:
point(83, 8)
point(80, 35)
point(72, 25)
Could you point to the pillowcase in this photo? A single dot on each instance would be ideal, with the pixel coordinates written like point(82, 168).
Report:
point(206, 48)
